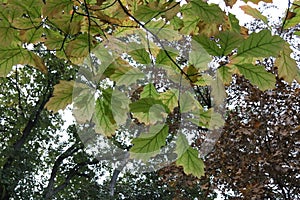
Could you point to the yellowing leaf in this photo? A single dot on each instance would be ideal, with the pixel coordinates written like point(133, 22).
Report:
point(225, 74)
point(170, 99)
point(287, 67)
point(257, 1)
point(218, 90)
point(84, 103)
point(13, 55)
point(261, 44)
point(54, 8)
point(295, 20)
point(230, 3)
point(188, 102)
point(62, 96)
point(149, 91)
point(188, 158)
point(78, 47)
point(254, 13)
point(258, 76)
point(149, 144)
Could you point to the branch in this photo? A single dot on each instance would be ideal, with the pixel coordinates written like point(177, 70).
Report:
point(164, 49)
point(49, 189)
point(286, 16)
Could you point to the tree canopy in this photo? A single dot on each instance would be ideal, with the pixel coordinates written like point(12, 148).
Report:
point(157, 85)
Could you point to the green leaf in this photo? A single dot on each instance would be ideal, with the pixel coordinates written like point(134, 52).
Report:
point(54, 40)
point(261, 44)
point(210, 13)
point(228, 41)
point(149, 91)
point(208, 44)
point(148, 110)
point(254, 13)
point(7, 35)
point(163, 59)
point(189, 159)
point(13, 55)
point(126, 75)
point(145, 13)
point(287, 67)
point(204, 80)
point(258, 76)
point(149, 144)
point(190, 25)
point(103, 119)
point(32, 35)
point(199, 57)
point(293, 21)
point(170, 98)
point(78, 47)
point(140, 55)
point(62, 96)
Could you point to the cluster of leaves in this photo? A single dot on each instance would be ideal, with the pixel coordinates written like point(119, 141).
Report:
point(79, 30)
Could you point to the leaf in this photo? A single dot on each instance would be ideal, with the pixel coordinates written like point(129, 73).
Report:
point(54, 40)
point(145, 13)
point(199, 57)
point(126, 75)
point(170, 98)
point(149, 144)
point(218, 91)
point(254, 13)
point(8, 35)
point(62, 96)
point(188, 102)
point(228, 41)
point(225, 74)
point(149, 91)
point(287, 67)
point(148, 110)
point(257, 1)
point(204, 80)
point(54, 8)
point(208, 119)
point(294, 20)
point(261, 44)
point(13, 55)
point(210, 13)
point(190, 25)
point(258, 76)
point(163, 59)
point(78, 47)
point(230, 3)
point(32, 35)
point(140, 55)
point(188, 158)
point(84, 103)
point(208, 44)
point(120, 106)
point(103, 119)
